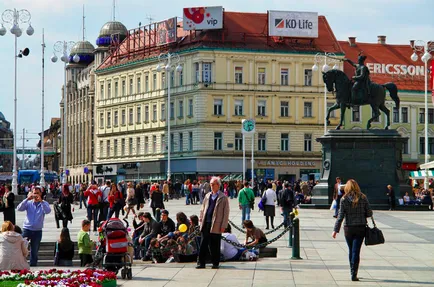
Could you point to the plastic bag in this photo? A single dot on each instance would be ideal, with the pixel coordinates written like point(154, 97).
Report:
point(334, 205)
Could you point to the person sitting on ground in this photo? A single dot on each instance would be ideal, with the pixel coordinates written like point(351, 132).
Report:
point(13, 249)
point(167, 227)
point(138, 230)
point(406, 198)
point(299, 198)
point(254, 233)
point(84, 243)
point(181, 218)
point(186, 252)
point(427, 199)
point(64, 248)
point(150, 231)
point(160, 253)
point(227, 250)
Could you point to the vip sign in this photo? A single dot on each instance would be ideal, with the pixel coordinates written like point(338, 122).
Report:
point(293, 24)
point(396, 69)
point(203, 18)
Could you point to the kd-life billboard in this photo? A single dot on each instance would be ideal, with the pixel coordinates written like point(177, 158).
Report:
point(166, 31)
point(293, 24)
point(203, 18)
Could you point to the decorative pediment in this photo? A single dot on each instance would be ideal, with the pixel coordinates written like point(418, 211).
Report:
point(403, 131)
point(430, 132)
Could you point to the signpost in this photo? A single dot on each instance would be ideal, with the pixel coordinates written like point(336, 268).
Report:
point(248, 127)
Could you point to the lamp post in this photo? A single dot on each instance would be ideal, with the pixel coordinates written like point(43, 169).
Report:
point(168, 62)
point(319, 59)
point(138, 171)
point(42, 181)
point(425, 47)
point(15, 18)
point(64, 47)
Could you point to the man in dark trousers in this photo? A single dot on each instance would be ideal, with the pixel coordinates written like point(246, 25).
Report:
point(391, 195)
point(286, 203)
point(214, 218)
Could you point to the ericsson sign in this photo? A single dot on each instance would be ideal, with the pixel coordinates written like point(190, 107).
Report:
point(396, 69)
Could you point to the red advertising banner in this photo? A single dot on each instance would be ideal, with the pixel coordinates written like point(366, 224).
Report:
point(166, 31)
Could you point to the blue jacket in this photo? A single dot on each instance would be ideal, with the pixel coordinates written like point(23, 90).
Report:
point(35, 214)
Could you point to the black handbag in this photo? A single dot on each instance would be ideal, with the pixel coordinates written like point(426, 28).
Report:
point(373, 236)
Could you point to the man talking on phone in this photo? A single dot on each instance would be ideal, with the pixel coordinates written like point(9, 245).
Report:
point(32, 228)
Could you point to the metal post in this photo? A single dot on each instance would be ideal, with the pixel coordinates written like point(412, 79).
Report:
point(244, 158)
point(24, 140)
point(65, 107)
point(253, 160)
point(325, 100)
point(14, 173)
point(296, 240)
point(291, 230)
point(42, 182)
point(169, 119)
point(426, 183)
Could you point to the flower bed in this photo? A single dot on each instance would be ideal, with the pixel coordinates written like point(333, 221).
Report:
point(58, 278)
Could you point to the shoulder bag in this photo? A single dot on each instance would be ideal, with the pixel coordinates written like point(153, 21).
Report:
point(373, 236)
point(56, 256)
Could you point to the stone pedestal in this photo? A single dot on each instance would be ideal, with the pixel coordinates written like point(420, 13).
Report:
point(372, 157)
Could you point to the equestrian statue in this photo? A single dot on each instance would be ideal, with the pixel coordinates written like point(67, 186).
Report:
point(359, 91)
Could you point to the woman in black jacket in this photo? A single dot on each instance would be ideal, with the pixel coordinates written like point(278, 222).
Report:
point(9, 205)
point(64, 249)
point(65, 200)
point(157, 199)
point(355, 209)
point(139, 196)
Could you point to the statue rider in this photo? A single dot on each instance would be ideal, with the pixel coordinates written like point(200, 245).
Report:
point(361, 87)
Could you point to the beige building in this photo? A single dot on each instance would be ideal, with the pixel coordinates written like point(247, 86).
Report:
point(222, 82)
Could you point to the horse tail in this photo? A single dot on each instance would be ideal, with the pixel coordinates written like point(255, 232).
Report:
point(393, 90)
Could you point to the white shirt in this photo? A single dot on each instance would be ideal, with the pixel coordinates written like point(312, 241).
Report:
point(105, 190)
point(227, 250)
point(271, 196)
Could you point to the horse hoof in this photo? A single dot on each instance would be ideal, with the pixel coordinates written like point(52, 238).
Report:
point(338, 127)
point(386, 128)
point(328, 122)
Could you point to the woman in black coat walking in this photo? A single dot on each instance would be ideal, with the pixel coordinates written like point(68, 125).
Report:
point(139, 196)
point(65, 200)
point(8, 205)
point(157, 199)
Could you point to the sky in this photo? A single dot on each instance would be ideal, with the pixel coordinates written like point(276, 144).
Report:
point(399, 20)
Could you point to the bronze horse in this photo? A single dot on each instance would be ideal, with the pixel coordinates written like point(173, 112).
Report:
point(336, 80)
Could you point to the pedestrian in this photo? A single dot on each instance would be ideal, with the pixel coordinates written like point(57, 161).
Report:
point(157, 199)
point(165, 191)
point(93, 195)
point(286, 203)
point(337, 195)
point(36, 209)
point(195, 192)
point(246, 199)
point(65, 200)
point(64, 249)
point(104, 204)
point(214, 218)
point(84, 243)
point(131, 200)
point(391, 195)
point(116, 201)
point(8, 205)
point(269, 196)
point(355, 209)
point(82, 198)
point(139, 196)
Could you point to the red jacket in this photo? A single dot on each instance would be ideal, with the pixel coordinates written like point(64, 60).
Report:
point(93, 195)
point(114, 198)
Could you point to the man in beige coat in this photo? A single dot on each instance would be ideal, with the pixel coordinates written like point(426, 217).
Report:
point(214, 218)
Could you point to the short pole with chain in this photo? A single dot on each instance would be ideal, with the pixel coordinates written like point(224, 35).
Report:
point(296, 239)
point(291, 231)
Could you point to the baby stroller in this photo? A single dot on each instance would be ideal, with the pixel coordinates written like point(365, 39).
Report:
point(113, 247)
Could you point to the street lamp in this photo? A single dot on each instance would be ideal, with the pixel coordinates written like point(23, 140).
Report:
point(168, 62)
point(425, 47)
point(138, 171)
point(319, 59)
point(15, 18)
point(64, 47)
point(42, 181)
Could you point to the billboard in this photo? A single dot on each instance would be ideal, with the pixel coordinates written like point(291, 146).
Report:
point(203, 18)
point(166, 31)
point(293, 24)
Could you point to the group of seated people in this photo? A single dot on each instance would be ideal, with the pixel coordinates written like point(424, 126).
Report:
point(421, 196)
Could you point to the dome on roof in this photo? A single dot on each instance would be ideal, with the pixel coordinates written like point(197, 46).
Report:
point(115, 28)
point(2, 117)
point(82, 48)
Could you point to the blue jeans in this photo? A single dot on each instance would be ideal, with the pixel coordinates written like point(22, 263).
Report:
point(147, 242)
point(354, 237)
point(286, 211)
point(187, 199)
point(82, 200)
point(35, 240)
point(245, 213)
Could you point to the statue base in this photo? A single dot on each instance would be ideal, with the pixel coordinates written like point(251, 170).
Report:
point(372, 157)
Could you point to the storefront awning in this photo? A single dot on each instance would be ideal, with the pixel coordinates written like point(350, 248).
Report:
point(421, 174)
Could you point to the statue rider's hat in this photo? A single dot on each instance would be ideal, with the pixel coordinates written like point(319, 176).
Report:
point(361, 57)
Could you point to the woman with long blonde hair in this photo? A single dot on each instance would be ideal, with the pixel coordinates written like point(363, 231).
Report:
point(355, 209)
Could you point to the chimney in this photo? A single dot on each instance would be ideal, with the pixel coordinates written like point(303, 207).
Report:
point(352, 41)
point(412, 44)
point(382, 40)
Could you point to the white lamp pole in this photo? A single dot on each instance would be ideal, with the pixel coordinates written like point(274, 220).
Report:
point(169, 62)
point(64, 47)
point(15, 17)
point(425, 47)
point(42, 182)
point(319, 59)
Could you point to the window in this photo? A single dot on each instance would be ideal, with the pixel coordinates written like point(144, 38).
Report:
point(146, 145)
point(163, 80)
point(405, 149)
point(218, 141)
point(154, 113)
point(101, 149)
point(307, 142)
point(123, 120)
point(172, 142)
point(146, 114)
point(395, 115)
point(404, 114)
point(238, 141)
point(238, 75)
point(130, 146)
point(190, 141)
point(284, 77)
point(109, 119)
point(172, 110)
point(422, 145)
point(146, 83)
point(181, 141)
point(218, 107)
point(332, 114)
point(238, 107)
point(375, 120)
point(431, 116)
point(154, 144)
point(261, 76)
point(101, 89)
point(101, 120)
point(181, 76)
point(138, 147)
point(115, 147)
point(172, 78)
point(109, 90)
point(139, 85)
point(108, 148)
point(262, 107)
point(163, 112)
point(123, 87)
point(284, 109)
point(116, 120)
point(422, 115)
point(163, 144)
point(139, 114)
point(262, 142)
point(284, 142)
point(206, 73)
point(116, 89)
point(190, 107)
point(130, 116)
point(122, 147)
point(355, 114)
point(307, 109)
point(131, 87)
point(308, 77)
point(154, 81)
point(181, 109)
point(196, 72)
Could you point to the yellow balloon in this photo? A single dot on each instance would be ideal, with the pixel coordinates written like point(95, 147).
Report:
point(182, 228)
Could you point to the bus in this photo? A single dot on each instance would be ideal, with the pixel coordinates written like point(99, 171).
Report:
point(31, 176)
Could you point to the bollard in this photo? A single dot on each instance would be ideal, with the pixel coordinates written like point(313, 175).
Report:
point(291, 230)
point(296, 239)
point(157, 215)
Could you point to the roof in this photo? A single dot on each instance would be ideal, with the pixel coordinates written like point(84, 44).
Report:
point(242, 31)
point(385, 54)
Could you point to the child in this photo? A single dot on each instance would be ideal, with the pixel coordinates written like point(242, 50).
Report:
point(186, 252)
point(85, 245)
point(155, 252)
